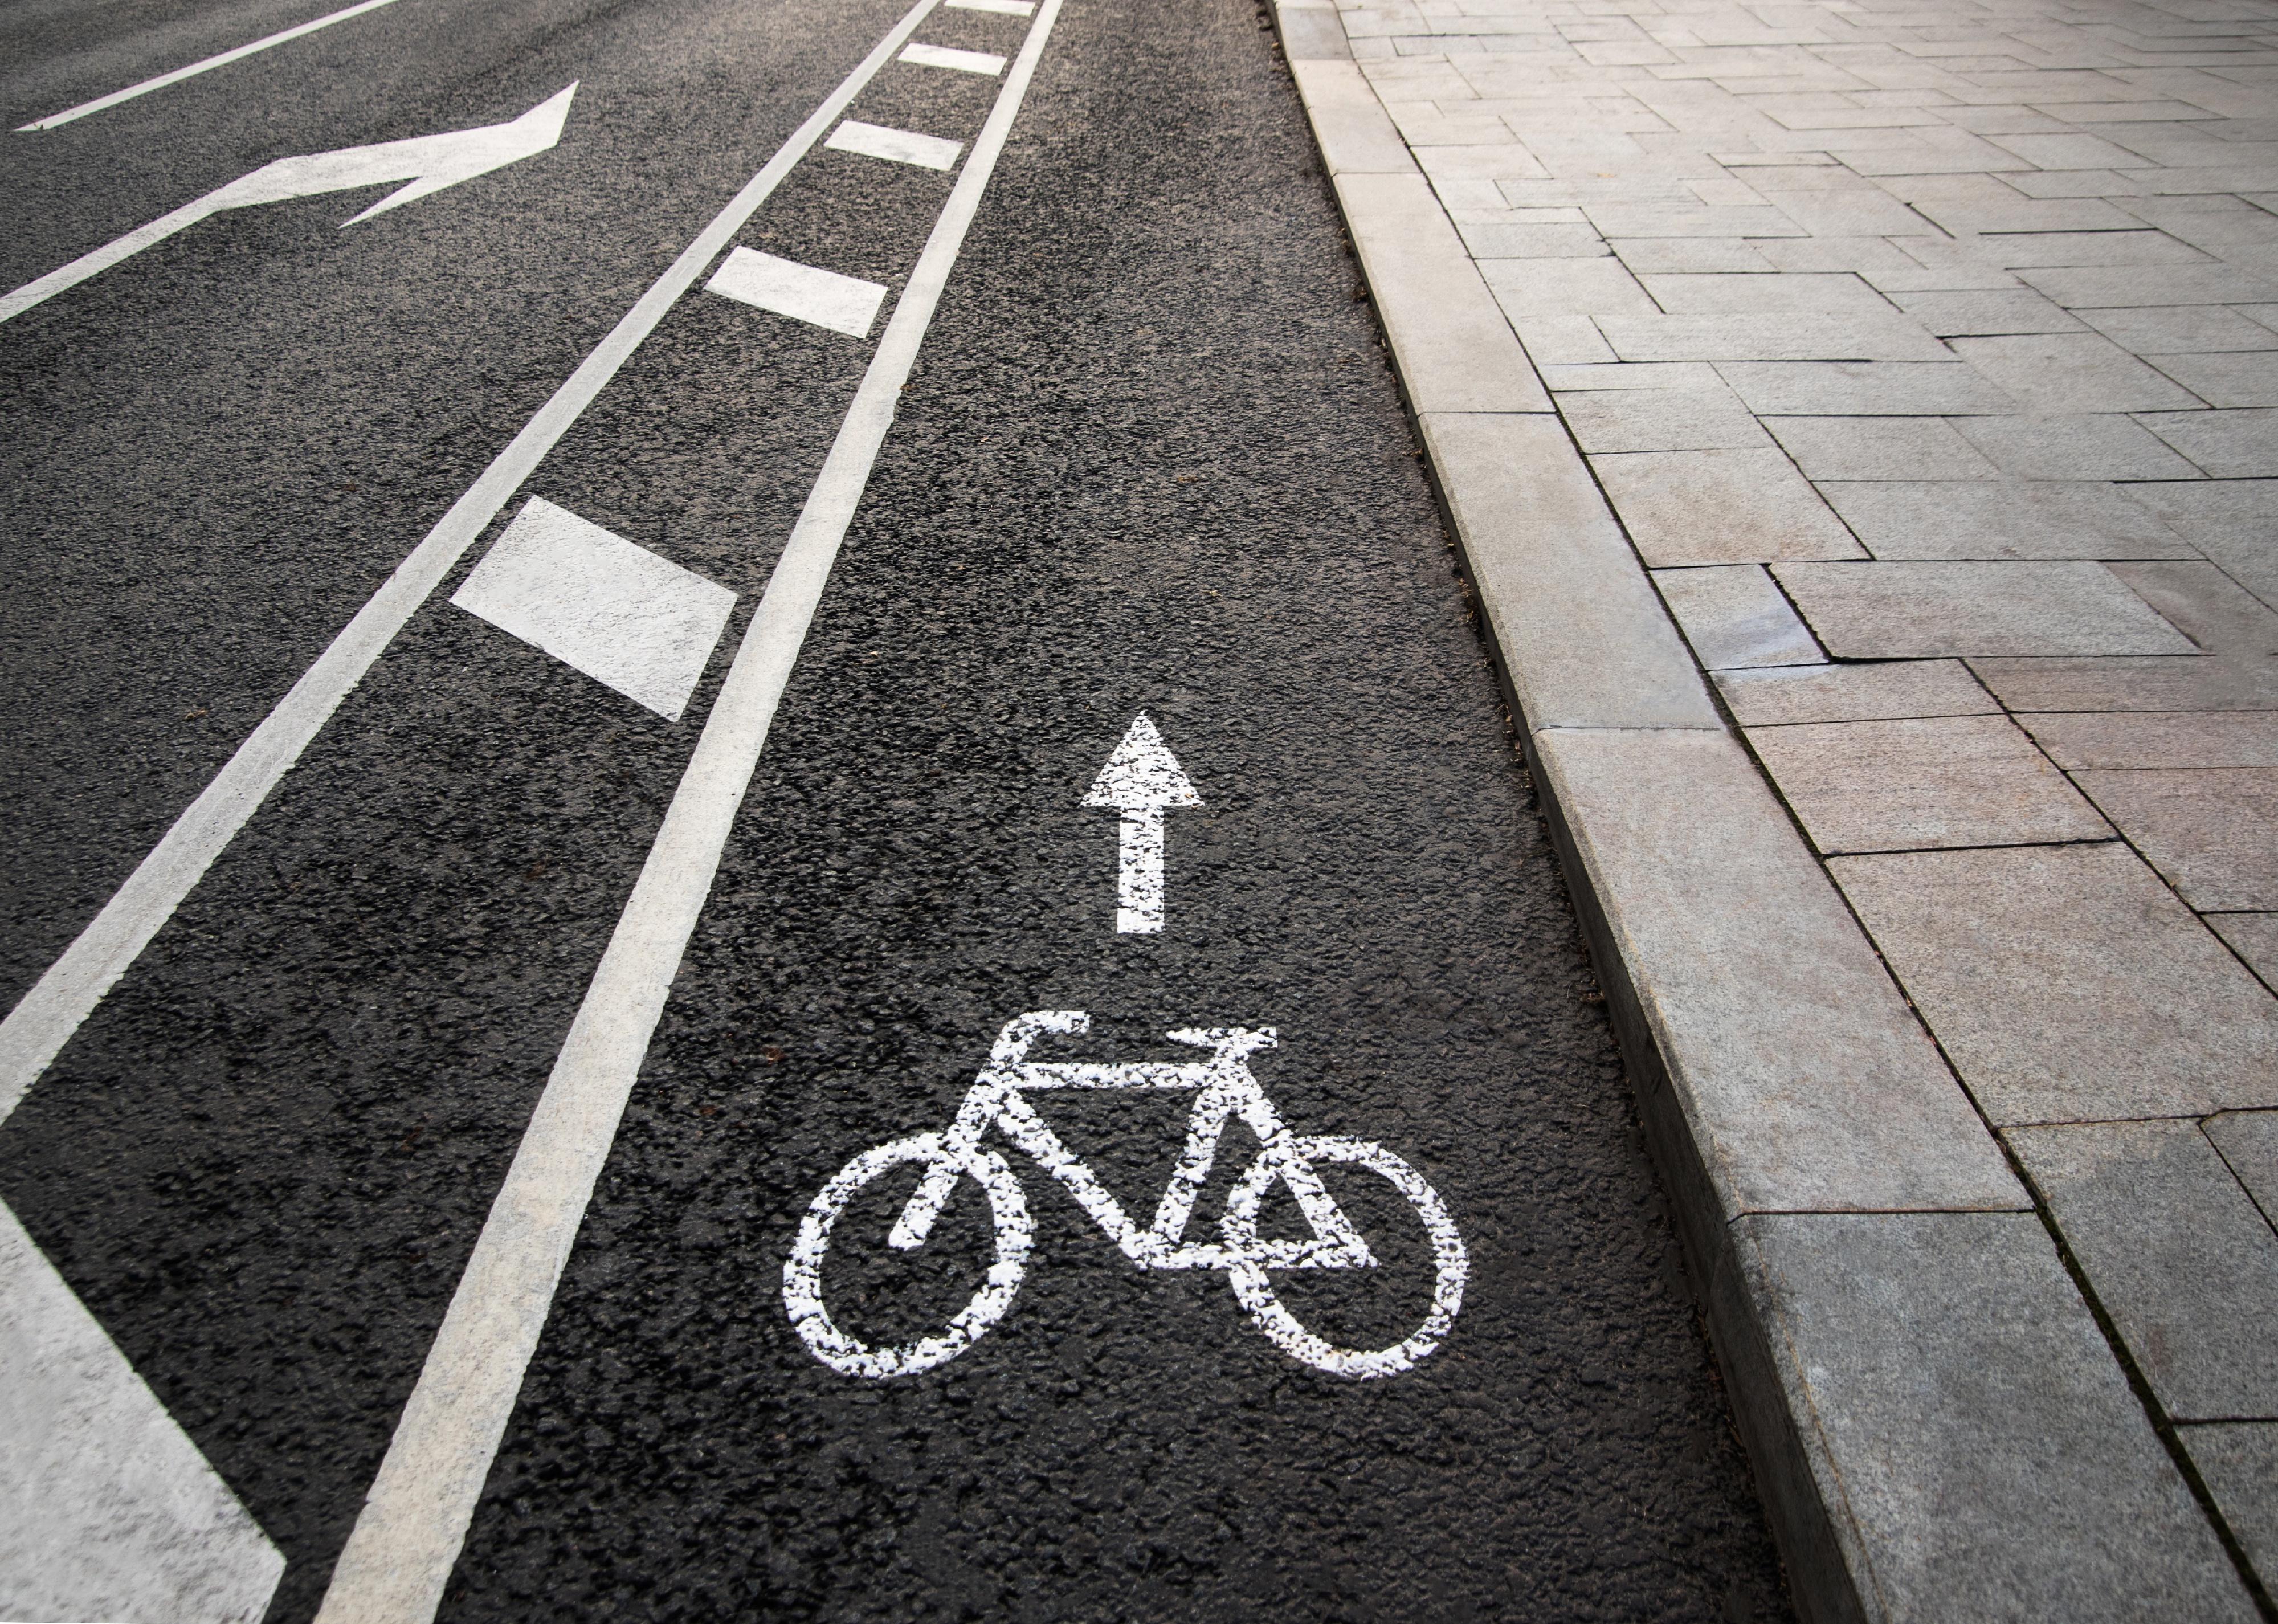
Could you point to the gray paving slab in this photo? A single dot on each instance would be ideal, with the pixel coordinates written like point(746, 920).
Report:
point(2253, 937)
point(2189, 684)
point(1727, 294)
point(1793, 335)
point(2010, 518)
point(1915, 783)
point(1720, 507)
point(2234, 522)
point(2092, 446)
point(1804, 1082)
point(1871, 611)
point(2067, 372)
point(2205, 604)
point(2176, 1250)
point(1971, 1421)
point(1584, 639)
point(1861, 448)
point(2183, 329)
point(1568, 287)
point(2239, 1462)
point(2246, 378)
point(2248, 1142)
point(1986, 312)
point(1865, 692)
point(2227, 445)
point(2068, 984)
point(2078, 287)
point(1564, 340)
point(2156, 739)
point(1734, 615)
point(1454, 349)
point(2212, 832)
point(1662, 420)
point(1863, 388)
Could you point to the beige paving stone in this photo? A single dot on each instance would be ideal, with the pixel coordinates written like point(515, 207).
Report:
point(1735, 294)
point(2238, 444)
point(2089, 447)
point(2205, 604)
point(2058, 373)
point(1861, 448)
point(2234, 522)
point(1491, 240)
point(2239, 1462)
point(1801, 336)
point(2176, 1250)
point(1864, 691)
point(2213, 831)
point(1566, 287)
point(2068, 984)
point(1733, 615)
point(1862, 388)
point(1720, 507)
point(1696, 376)
point(2190, 683)
point(1872, 611)
point(2000, 520)
point(1987, 313)
point(1564, 340)
point(1645, 255)
point(2156, 739)
point(2253, 937)
point(1907, 784)
point(1662, 420)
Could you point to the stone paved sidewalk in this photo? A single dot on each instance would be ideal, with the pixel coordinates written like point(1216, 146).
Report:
point(1927, 354)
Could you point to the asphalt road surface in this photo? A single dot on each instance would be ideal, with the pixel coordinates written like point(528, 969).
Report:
point(1124, 442)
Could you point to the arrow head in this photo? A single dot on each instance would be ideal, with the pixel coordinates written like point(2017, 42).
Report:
point(467, 153)
point(1143, 772)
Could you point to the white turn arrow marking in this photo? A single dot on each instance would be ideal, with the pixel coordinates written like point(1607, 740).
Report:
point(1140, 779)
point(430, 163)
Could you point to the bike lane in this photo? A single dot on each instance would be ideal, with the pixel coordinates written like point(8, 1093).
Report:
point(1151, 461)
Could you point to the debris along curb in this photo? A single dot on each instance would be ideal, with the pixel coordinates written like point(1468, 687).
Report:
point(1937, 1423)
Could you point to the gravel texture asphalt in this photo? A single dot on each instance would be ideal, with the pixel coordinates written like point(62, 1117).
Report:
point(1151, 459)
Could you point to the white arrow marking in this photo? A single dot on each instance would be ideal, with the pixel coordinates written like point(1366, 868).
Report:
point(430, 163)
point(1140, 779)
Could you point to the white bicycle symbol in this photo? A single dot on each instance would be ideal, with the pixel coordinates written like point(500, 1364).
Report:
point(1223, 1088)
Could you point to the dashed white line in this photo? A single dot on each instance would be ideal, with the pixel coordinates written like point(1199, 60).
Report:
point(963, 61)
point(895, 146)
point(1004, 8)
point(804, 293)
point(205, 65)
point(399, 1558)
point(47, 1016)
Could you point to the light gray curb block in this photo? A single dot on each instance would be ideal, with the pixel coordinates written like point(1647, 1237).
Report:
point(1939, 1428)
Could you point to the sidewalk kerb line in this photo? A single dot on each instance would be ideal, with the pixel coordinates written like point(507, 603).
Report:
point(44, 1020)
point(399, 1558)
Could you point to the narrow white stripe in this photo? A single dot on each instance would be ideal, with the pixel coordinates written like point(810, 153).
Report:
point(195, 68)
point(947, 56)
point(895, 146)
point(1007, 8)
point(844, 304)
point(44, 1022)
point(399, 1558)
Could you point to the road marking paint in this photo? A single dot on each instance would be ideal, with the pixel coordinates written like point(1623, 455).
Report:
point(804, 293)
point(963, 61)
point(107, 1510)
point(400, 1555)
point(896, 146)
point(1007, 8)
point(617, 612)
point(430, 163)
point(1140, 778)
point(44, 1020)
point(205, 65)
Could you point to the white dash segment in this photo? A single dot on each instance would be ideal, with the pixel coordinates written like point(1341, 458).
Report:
point(1003, 8)
point(627, 618)
point(203, 65)
point(107, 1509)
point(804, 293)
point(944, 56)
point(895, 146)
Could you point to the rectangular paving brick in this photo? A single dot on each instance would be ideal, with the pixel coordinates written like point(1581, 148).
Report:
point(1970, 518)
point(2239, 1462)
point(1919, 783)
point(1801, 336)
point(2253, 937)
point(2088, 447)
point(2176, 1250)
point(1879, 611)
point(1987, 313)
point(2184, 329)
point(1881, 449)
point(1730, 295)
point(1734, 616)
point(1862, 388)
point(2227, 445)
point(2213, 831)
point(2247, 1141)
point(1662, 420)
point(1566, 287)
point(2058, 373)
point(2157, 739)
point(2167, 685)
point(2244, 378)
point(2204, 603)
point(1864, 691)
point(1720, 507)
point(2068, 984)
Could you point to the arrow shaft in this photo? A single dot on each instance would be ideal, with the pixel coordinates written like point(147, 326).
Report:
point(109, 255)
point(1139, 871)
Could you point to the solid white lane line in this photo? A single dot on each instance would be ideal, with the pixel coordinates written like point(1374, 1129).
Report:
point(895, 146)
point(963, 61)
point(195, 68)
point(804, 293)
point(44, 1022)
point(399, 1556)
